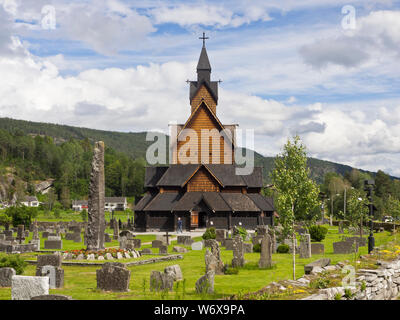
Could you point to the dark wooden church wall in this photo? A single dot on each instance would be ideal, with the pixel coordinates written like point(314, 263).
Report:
point(160, 220)
point(248, 220)
point(220, 220)
point(140, 221)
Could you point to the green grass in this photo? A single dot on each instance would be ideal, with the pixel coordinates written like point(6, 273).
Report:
point(80, 282)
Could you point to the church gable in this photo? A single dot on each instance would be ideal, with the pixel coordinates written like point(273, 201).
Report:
point(202, 180)
point(204, 94)
point(201, 119)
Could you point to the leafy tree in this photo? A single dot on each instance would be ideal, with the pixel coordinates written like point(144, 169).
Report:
point(357, 209)
point(21, 215)
point(393, 206)
point(5, 220)
point(84, 215)
point(297, 193)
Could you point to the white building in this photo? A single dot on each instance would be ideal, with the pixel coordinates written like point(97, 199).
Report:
point(115, 203)
point(79, 205)
point(110, 204)
point(30, 201)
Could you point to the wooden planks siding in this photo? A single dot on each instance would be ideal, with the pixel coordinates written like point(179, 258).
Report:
point(202, 181)
point(191, 147)
point(203, 93)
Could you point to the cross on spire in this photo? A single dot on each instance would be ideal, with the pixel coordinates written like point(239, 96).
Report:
point(204, 38)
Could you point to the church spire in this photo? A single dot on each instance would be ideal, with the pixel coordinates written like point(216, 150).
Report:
point(203, 88)
point(203, 66)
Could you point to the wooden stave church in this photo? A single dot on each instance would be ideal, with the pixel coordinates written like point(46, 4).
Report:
point(203, 193)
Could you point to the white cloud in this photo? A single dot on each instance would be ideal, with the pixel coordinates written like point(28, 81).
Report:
point(208, 15)
point(377, 35)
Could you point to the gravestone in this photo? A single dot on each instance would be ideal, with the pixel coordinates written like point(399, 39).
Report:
point(35, 231)
point(308, 268)
point(197, 246)
point(272, 234)
point(53, 244)
point(179, 249)
point(345, 247)
point(8, 233)
point(163, 249)
point(50, 265)
point(213, 259)
point(20, 233)
point(289, 242)
point(362, 242)
point(116, 230)
point(6, 275)
point(94, 234)
point(305, 246)
point(26, 233)
point(136, 243)
point(26, 287)
point(128, 234)
point(2, 237)
point(185, 240)
point(317, 248)
point(228, 244)
point(107, 237)
point(266, 252)
point(146, 251)
point(49, 260)
point(122, 243)
point(341, 227)
point(262, 230)
point(52, 297)
point(161, 281)
point(220, 234)
point(206, 283)
point(156, 243)
point(45, 234)
point(238, 252)
point(113, 276)
point(174, 271)
point(54, 238)
point(248, 247)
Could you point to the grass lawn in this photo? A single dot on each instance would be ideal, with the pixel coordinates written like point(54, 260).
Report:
point(80, 282)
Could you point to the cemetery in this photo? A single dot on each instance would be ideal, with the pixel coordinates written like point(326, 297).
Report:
point(201, 272)
point(199, 230)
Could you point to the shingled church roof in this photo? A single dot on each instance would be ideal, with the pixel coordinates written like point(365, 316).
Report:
point(177, 175)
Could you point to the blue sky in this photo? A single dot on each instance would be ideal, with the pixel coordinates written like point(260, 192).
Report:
point(287, 67)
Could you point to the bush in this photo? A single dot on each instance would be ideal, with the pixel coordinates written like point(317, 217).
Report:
point(242, 232)
point(13, 261)
point(283, 248)
point(209, 234)
point(257, 247)
point(21, 215)
point(84, 215)
point(231, 271)
point(318, 233)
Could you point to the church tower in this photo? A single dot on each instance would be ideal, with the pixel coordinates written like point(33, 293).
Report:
point(201, 187)
point(214, 142)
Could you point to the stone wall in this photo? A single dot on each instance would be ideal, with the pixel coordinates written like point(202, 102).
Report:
point(371, 284)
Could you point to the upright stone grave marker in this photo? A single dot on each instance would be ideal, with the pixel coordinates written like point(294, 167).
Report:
point(213, 258)
point(113, 277)
point(266, 252)
point(95, 227)
point(26, 287)
point(305, 246)
point(238, 252)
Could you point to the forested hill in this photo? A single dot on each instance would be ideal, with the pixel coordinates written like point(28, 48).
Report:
point(135, 144)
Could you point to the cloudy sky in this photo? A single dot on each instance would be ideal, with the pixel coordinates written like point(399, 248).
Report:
point(327, 70)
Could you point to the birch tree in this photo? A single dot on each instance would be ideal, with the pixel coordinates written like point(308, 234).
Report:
point(297, 193)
